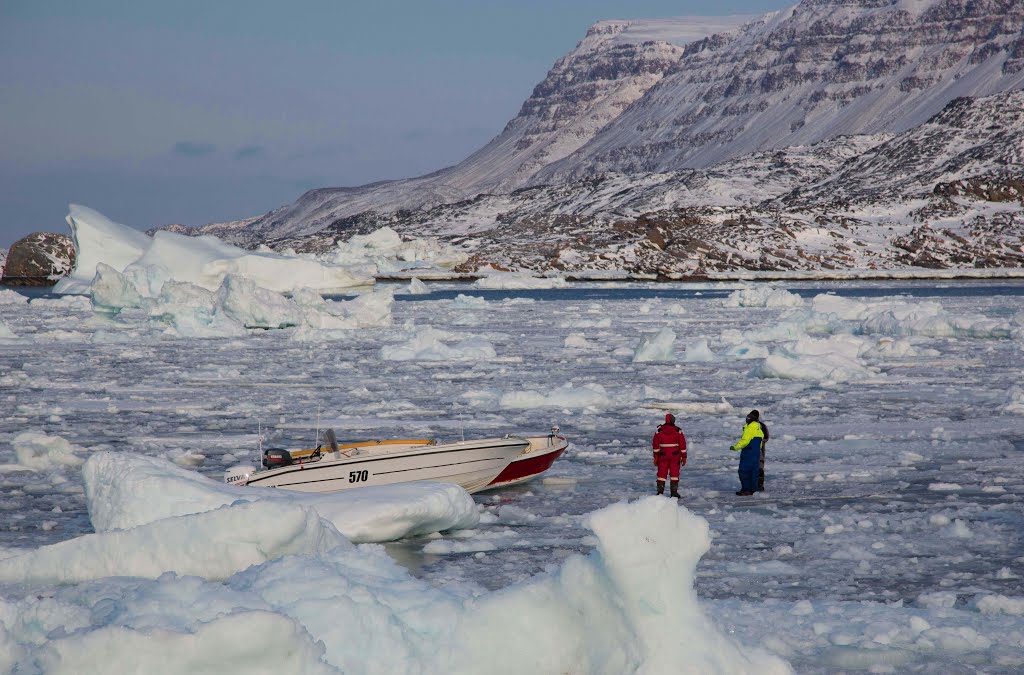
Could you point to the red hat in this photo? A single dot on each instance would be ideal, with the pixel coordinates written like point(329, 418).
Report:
point(670, 418)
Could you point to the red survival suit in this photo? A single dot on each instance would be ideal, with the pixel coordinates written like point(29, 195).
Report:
point(669, 453)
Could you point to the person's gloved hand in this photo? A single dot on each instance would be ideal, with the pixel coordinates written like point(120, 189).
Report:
point(655, 460)
point(734, 448)
point(684, 459)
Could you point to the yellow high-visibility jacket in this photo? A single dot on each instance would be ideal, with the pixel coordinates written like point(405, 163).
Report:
point(750, 432)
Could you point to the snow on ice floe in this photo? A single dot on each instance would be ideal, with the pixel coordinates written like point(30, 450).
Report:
point(127, 491)
point(629, 606)
point(204, 261)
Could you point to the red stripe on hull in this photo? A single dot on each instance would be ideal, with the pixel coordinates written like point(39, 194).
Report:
point(526, 468)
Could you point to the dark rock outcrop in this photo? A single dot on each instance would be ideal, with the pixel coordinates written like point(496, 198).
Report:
point(40, 259)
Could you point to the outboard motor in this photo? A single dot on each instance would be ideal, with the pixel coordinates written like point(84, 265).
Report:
point(238, 475)
point(331, 440)
point(276, 457)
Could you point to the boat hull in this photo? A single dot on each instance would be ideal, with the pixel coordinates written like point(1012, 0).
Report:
point(470, 464)
point(534, 461)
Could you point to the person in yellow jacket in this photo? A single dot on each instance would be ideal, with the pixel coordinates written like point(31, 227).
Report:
point(749, 447)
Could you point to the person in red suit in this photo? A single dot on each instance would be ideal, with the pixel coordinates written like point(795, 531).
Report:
point(669, 454)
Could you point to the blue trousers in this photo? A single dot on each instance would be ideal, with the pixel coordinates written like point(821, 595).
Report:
point(750, 464)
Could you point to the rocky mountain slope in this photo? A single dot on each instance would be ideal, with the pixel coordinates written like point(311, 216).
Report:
point(954, 197)
point(830, 114)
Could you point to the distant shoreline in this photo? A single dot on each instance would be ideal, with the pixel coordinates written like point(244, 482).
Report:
point(922, 274)
point(600, 276)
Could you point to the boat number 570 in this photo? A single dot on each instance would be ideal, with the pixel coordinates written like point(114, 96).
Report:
point(358, 476)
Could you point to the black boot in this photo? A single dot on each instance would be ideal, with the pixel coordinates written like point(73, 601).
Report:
point(675, 489)
point(661, 487)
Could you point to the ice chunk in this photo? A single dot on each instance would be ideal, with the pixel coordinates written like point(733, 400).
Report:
point(658, 347)
point(39, 451)
point(629, 607)
point(698, 352)
point(241, 300)
point(417, 287)
point(936, 600)
point(763, 296)
point(5, 331)
point(835, 359)
point(1000, 604)
point(212, 545)
point(113, 291)
point(128, 490)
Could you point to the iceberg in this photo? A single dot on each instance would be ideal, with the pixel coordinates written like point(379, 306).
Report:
point(205, 261)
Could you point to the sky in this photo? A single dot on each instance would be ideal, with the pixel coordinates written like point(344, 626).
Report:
point(194, 111)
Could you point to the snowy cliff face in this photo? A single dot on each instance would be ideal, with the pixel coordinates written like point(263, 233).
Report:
point(821, 68)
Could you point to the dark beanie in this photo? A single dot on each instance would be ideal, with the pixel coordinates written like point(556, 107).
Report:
point(670, 418)
point(753, 415)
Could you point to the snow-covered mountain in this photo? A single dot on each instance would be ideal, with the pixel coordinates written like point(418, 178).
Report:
point(798, 111)
point(946, 193)
point(817, 70)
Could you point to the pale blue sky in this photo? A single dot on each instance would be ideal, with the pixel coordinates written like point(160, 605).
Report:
point(196, 111)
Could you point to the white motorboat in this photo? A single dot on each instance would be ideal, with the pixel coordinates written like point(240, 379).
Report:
point(332, 467)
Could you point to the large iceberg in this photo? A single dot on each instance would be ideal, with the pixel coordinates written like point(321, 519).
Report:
point(203, 261)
